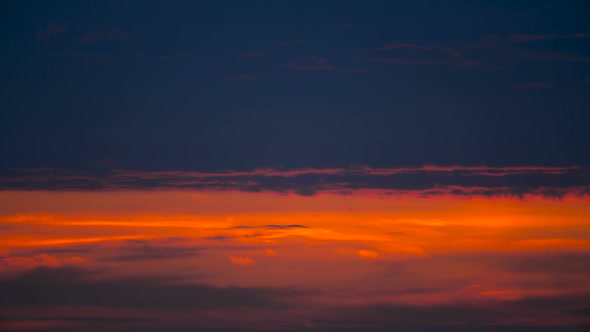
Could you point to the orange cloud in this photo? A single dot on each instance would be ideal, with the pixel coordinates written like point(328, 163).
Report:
point(369, 254)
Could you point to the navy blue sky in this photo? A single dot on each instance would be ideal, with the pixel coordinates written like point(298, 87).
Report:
point(195, 85)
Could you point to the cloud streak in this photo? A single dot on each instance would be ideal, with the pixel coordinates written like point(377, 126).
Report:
point(428, 180)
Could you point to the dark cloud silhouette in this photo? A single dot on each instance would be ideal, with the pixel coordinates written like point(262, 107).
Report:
point(551, 182)
point(491, 315)
point(149, 251)
point(79, 287)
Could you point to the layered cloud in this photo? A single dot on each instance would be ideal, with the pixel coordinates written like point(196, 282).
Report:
point(429, 180)
point(75, 286)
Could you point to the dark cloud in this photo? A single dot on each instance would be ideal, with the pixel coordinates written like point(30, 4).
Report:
point(89, 319)
point(519, 181)
point(483, 315)
point(147, 251)
point(568, 264)
point(80, 287)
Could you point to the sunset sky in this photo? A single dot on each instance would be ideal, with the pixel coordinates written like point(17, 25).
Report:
point(294, 166)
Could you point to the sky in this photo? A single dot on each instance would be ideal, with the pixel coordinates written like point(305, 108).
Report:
point(294, 166)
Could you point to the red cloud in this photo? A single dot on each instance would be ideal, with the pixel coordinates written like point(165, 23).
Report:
point(40, 260)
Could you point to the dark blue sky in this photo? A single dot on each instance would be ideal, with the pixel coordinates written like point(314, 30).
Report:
point(218, 85)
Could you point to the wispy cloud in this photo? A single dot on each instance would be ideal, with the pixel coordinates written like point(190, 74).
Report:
point(141, 250)
point(533, 47)
point(526, 38)
point(428, 180)
point(269, 226)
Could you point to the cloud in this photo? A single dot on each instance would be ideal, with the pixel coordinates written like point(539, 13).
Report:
point(81, 287)
point(518, 46)
point(316, 63)
point(536, 85)
point(243, 261)
point(28, 262)
point(141, 250)
point(565, 263)
point(50, 31)
point(269, 227)
point(471, 170)
point(553, 313)
point(243, 77)
point(397, 53)
point(369, 254)
point(527, 38)
point(554, 56)
point(424, 181)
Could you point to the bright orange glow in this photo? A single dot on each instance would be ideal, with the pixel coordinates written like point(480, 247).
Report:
point(361, 248)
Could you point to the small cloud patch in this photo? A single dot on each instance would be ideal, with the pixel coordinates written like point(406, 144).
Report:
point(243, 261)
point(368, 254)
